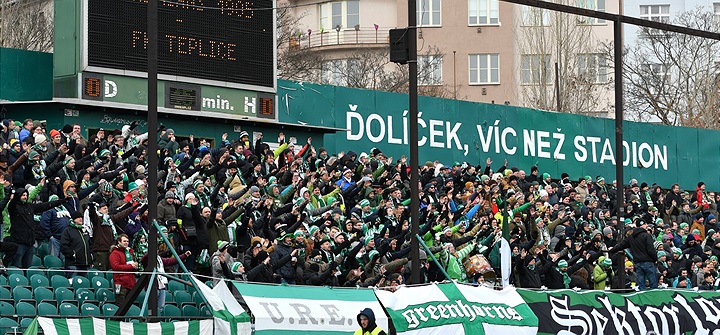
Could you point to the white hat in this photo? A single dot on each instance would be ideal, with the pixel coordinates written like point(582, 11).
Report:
point(189, 196)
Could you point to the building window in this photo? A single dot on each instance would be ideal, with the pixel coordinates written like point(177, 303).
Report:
point(484, 69)
point(657, 13)
point(345, 14)
point(429, 13)
point(535, 69)
point(598, 5)
point(483, 12)
point(592, 67)
point(534, 17)
point(429, 70)
point(659, 75)
point(341, 72)
point(716, 9)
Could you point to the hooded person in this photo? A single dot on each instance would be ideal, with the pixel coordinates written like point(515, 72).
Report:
point(21, 210)
point(368, 325)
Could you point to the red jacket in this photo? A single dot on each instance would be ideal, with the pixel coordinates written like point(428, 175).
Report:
point(118, 263)
point(700, 196)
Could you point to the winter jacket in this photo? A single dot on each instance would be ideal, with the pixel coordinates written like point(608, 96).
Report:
point(103, 237)
point(118, 263)
point(165, 212)
point(601, 276)
point(53, 222)
point(641, 245)
point(22, 214)
point(286, 271)
point(75, 245)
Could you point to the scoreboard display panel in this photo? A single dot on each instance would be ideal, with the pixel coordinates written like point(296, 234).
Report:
point(219, 40)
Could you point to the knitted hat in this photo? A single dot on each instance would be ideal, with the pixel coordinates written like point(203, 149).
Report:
point(710, 217)
point(235, 266)
point(677, 251)
point(132, 186)
point(33, 154)
point(606, 262)
point(40, 138)
point(661, 254)
point(169, 195)
point(372, 254)
point(628, 264)
point(254, 189)
point(54, 133)
point(197, 183)
point(367, 240)
point(366, 202)
point(108, 187)
point(545, 175)
point(607, 230)
point(562, 264)
point(313, 229)
point(222, 245)
point(298, 233)
point(189, 196)
point(243, 134)
point(76, 215)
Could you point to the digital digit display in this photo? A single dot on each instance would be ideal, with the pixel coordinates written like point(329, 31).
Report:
point(220, 40)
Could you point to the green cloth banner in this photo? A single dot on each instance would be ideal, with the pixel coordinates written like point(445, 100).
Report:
point(95, 326)
point(647, 312)
point(450, 308)
point(286, 309)
point(453, 130)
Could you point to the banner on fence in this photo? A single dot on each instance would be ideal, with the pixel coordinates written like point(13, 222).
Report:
point(648, 312)
point(324, 310)
point(451, 308)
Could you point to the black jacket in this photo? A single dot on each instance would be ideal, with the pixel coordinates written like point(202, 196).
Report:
point(22, 215)
point(265, 273)
point(641, 244)
point(75, 245)
point(286, 270)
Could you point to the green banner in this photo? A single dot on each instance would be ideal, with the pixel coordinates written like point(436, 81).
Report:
point(451, 130)
point(291, 309)
point(451, 308)
point(647, 312)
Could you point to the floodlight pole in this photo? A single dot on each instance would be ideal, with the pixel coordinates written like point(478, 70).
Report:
point(414, 173)
point(152, 154)
point(619, 173)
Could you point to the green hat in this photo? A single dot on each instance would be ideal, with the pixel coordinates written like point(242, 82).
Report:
point(107, 187)
point(313, 229)
point(68, 160)
point(713, 258)
point(235, 266)
point(600, 178)
point(696, 231)
point(546, 176)
point(562, 264)
point(33, 154)
point(677, 251)
point(103, 152)
point(283, 236)
point(163, 229)
point(197, 183)
point(367, 239)
point(364, 202)
point(658, 221)
point(132, 186)
point(222, 245)
point(53, 197)
point(373, 253)
point(457, 163)
point(196, 160)
point(298, 233)
point(683, 225)
point(661, 254)
point(484, 177)
point(628, 221)
point(588, 178)
point(606, 262)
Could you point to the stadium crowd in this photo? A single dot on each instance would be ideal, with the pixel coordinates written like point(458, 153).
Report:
point(300, 215)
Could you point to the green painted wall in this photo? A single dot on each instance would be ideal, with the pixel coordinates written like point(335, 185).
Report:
point(452, 130)
point(25, 75)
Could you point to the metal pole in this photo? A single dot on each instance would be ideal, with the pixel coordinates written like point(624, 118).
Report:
point(619, 141)
point(413, 107)
point(429, 254)
point(152, 149)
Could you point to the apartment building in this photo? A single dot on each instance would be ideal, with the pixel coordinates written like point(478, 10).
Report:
point(487, 50)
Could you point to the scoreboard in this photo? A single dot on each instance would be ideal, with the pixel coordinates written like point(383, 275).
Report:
point(226, 41)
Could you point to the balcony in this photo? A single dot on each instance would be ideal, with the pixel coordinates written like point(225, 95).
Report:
point(341, 39)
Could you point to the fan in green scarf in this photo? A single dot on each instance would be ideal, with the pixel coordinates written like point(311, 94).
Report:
point(563, 266)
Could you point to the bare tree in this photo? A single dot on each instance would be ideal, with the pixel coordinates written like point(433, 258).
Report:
point(294, 62)
point(673, 77)
point(26, 24)
point(547, 40)
point(370, 68)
